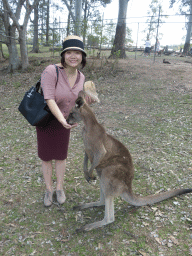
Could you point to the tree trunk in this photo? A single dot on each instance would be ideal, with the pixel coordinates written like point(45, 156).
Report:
point(36, 30)
point(47, 24)
point(118, 49)
point(85, 22)
point(68, 24)
point(68, 19)
point(22, 35)
point(14, 62)
point(13, 19)
point(23, 49)
point(150, 29)
point(188, 36)
point(1, 52)
point(78, 10)
point(1, 36)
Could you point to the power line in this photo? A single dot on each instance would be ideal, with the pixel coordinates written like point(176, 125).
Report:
point(61, 28)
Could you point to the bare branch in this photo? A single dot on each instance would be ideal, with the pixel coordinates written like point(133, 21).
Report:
point(69, 9)
point(11, 14)
point(29, 9)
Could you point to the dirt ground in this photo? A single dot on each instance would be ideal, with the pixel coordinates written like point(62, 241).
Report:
point(110, 76)
point(147, 106)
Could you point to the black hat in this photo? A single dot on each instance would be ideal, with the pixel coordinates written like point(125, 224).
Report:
point(73, 43)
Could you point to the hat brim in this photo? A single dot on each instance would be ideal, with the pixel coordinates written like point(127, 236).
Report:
point(75, 49)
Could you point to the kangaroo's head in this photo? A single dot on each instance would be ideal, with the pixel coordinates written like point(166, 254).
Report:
point(76, 113)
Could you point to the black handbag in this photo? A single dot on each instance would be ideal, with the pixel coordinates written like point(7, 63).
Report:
point(34, 107)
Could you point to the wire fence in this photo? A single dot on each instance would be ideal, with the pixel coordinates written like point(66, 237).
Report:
point(103, 32)
point(100, 34)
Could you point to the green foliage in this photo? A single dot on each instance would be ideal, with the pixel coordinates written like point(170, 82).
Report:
point(128, 38)
point(17, 84)
point(93, 40)
point(109, 31)
point(117, 54)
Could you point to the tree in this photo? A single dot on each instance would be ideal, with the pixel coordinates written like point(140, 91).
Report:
point(188, 35)
point(97, 30)
point(35, 28)
point(109, 31)
point(10, 39)
point(152, 20)
point(188, 5)
point(118, 48)
point(128, 36)
point(85, 20)
point(2, 33)
point(47, 23)
point(11, 17)
point(78, 12)
point(91, 11)
point(86, 6)
point(69, 17)
point(43, 21)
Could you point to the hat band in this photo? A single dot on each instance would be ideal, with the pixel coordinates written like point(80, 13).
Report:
point(73, 43)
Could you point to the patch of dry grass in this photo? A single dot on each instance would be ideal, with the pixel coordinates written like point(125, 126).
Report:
point(147, 106)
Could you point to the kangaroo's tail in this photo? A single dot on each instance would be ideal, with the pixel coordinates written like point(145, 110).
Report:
point(152, 199)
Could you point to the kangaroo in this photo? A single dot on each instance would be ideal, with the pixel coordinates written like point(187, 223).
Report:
point(113, 164)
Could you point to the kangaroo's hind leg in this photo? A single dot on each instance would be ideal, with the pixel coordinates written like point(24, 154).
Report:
point(92, 204)
point(109, 216)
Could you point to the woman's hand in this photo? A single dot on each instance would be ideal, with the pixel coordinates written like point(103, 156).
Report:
point(66, 125)
point(57, 113)
point(89, 100)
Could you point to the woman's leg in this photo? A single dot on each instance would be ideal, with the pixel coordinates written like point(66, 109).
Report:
point(60, 172)
point(47, 174)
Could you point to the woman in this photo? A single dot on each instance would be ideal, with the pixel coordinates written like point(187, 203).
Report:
point(60, 96)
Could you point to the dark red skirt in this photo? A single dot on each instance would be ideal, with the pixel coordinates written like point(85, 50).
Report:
point(53, 141)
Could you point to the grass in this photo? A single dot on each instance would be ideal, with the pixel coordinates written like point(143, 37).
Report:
point(152, 119)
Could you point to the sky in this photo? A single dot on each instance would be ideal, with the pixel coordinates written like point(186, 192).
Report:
point(173, 31)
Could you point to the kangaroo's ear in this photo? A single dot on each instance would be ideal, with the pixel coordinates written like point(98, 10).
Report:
point(79, 102)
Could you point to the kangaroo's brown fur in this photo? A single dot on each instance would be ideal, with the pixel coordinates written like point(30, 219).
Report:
point(113, 164)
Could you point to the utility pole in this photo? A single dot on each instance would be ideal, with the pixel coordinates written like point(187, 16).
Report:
point(157, 32)
point(137, 41)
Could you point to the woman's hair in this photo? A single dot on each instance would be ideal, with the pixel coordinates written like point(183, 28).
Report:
point(83, 62)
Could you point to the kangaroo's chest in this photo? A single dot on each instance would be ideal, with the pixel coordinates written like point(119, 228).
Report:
point(91, 144)
point(88, 142)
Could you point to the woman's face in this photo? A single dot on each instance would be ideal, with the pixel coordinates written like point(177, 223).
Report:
point(73, 58)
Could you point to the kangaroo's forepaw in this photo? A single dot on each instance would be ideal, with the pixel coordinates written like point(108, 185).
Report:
point(89, 179)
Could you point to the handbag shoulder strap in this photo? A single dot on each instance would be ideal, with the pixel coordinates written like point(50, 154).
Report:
point(38, 84)
point(57, 71)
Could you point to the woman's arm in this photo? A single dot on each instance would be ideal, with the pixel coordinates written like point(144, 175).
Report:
point(57, 113)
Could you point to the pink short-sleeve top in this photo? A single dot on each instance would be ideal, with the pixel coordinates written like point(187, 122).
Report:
point(60, 90)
